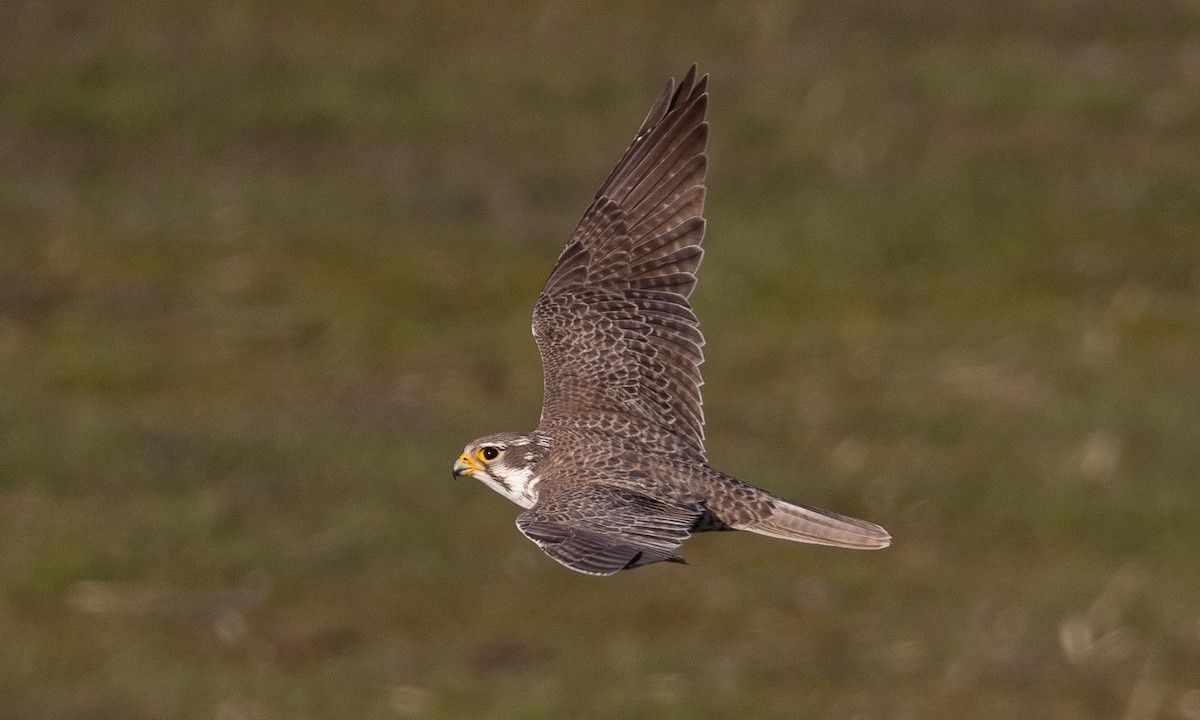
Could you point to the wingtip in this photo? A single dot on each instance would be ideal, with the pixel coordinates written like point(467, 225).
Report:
point(701, 85)
point(690, 86)
point(689, 78)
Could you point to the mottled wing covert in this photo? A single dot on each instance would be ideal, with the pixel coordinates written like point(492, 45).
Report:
point(616, 332)
point(600, 529)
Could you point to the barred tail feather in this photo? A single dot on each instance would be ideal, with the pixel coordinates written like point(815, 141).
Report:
point(802, 523)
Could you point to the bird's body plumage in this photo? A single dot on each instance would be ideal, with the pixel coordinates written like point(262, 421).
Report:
point(615, 475)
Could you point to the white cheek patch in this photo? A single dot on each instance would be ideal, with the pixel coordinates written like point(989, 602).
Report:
point(519, 486)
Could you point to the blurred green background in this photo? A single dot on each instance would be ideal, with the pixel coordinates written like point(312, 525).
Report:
point(266, 267)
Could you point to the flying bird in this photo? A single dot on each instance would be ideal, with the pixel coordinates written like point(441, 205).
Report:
point(615, 475)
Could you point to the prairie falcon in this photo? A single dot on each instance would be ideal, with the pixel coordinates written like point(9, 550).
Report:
point(615, 475)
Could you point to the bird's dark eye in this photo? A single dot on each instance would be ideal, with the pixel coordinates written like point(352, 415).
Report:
point(489, 453)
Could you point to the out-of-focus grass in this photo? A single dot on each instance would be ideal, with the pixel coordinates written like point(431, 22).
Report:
point(265, 268)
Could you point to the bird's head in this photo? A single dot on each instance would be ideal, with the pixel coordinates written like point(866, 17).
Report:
point(507, 463)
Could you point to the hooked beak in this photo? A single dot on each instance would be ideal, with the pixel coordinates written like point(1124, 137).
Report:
point(465, 465)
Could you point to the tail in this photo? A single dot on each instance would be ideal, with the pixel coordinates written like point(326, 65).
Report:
point(801, 523)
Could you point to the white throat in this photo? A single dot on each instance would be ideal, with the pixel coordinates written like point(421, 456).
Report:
point(520, 486)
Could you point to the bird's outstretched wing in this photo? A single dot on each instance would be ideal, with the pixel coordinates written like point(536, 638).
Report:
point(618, 338)
point(600, 529)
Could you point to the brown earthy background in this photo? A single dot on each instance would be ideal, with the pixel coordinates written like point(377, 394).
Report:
point(266, 266)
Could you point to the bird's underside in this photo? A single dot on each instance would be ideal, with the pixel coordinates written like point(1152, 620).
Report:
point(615, 475)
